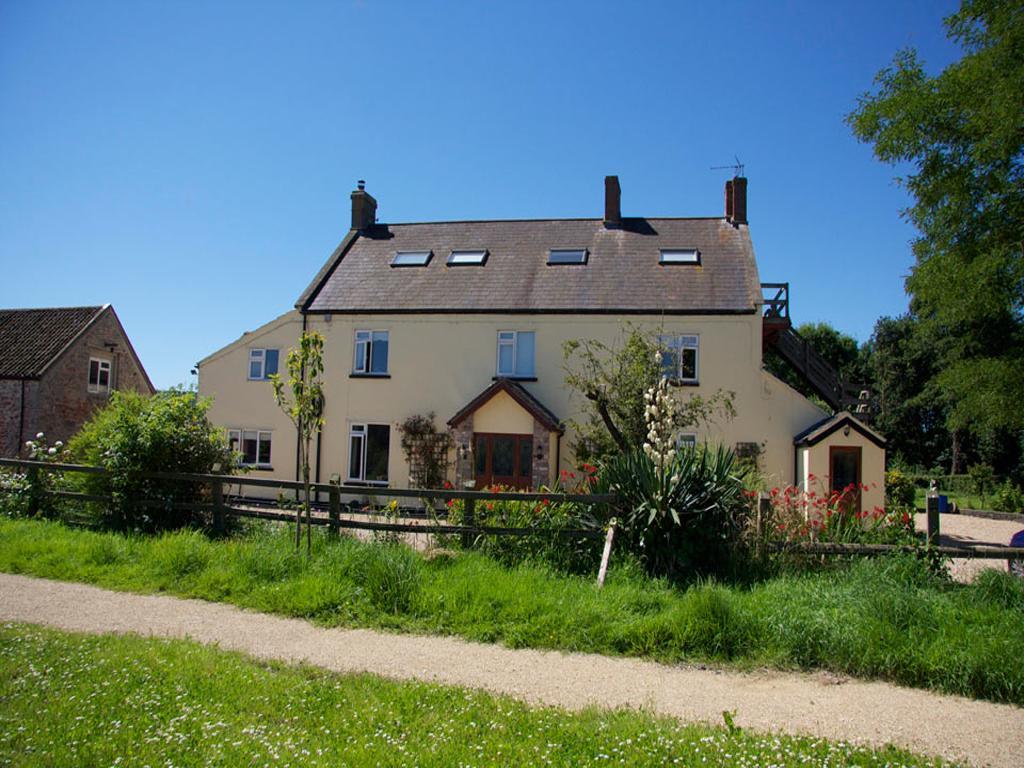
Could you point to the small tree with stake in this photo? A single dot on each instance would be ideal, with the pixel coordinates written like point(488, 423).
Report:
point(305, 407)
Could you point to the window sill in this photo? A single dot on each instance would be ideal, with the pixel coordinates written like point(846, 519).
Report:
point(514, 378)
point(683, 383)
point(256, 467)
point(367, 483)
point(369, 375)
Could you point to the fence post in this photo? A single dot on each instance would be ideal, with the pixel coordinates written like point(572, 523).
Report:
point(335, 508)
point(34, 491)
point(469, 520)
point(218, 506)
point(932, 509)
point(763, 513)
point(607, 553)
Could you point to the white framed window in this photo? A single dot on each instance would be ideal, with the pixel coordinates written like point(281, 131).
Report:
point(516, 352)
point(679, 256)
point(254, 446)
point(99, 375)
point(369, 448)
point(371, 353)
point(262, 364)
point(411, 258)
point(567, 256)
point(686, 440)
point(467, 258)
point(680, 357)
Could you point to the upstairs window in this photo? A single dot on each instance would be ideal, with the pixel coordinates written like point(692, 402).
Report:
point(679, 256)
point(253, 445)
point(99, 375)
point(262, 364)
point(516, 354)
point(369, 446)
point(679, 357)
point(567, 256)
point(466, 258)
point(412, 258)
point(371, 354)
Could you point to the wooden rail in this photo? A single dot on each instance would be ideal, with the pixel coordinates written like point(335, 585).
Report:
point(220, 508)
point(977, 551)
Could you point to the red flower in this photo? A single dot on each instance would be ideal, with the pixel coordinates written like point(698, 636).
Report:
point(447, 485)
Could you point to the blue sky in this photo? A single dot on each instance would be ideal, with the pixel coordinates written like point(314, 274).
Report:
point(191, 162)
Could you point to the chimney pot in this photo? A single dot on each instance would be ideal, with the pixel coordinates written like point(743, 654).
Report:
point(612, 202)
point(364, 208)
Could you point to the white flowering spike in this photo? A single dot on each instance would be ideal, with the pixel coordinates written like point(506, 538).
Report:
point(52, 452)
point(40, 436)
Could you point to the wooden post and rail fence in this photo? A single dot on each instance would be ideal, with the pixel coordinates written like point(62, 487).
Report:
point(220, 509)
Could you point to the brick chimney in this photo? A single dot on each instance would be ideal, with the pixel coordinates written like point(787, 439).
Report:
point(736, 200)
point(612, 202)
point(364, 208)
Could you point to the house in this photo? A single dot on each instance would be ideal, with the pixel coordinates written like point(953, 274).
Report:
point(467, 320)
point(56, 367)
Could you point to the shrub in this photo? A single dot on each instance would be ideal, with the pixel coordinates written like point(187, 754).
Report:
point(133, 435)
point(982, 479)
point(1008, 498)
point(899, 489)
point(25, 490)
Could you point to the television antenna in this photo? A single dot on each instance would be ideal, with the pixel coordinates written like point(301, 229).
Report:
point(737, 168)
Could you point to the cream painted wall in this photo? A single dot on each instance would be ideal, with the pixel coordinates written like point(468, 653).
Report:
point(439, 363)
point(814, 460)
point(503, 415)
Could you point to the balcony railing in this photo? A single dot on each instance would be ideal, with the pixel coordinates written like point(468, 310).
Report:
point(776, 301)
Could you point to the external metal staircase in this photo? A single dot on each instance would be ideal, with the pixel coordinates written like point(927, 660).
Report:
point(777, 333)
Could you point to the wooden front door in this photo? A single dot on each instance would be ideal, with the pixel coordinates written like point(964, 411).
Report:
point(844, 471)
point(503, 460)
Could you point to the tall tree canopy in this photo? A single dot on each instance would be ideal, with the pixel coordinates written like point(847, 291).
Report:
point(962, 131)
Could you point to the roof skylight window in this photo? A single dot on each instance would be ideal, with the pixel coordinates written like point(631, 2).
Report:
point(679, 256)
point(411, 258)
point(567, 256)
point(466, 258)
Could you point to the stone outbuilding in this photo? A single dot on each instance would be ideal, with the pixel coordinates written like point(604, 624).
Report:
point(57, 366)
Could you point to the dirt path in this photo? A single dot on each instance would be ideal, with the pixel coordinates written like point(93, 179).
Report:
point(960, 530)
point(981, 733)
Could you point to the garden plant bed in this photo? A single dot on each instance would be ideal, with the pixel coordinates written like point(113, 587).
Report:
point(888, 618)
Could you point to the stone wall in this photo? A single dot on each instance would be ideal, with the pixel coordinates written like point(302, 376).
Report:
point(10, 417)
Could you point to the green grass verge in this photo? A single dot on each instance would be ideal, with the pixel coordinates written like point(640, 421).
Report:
point(887, 618)
point(103, 701)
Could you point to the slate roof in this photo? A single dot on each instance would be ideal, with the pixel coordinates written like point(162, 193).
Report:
point(622, 274)
point(830, 424)
point(31, 338)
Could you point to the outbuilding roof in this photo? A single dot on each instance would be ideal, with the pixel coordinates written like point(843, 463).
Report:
point(831, 424)
point(622, 274)
point(30, 339)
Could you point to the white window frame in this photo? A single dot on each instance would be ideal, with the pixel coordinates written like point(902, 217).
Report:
point(678, 343)
point(474, 257)
point(263, 436)
point(412, 258)
point(102, 365)
point(514, 343)
point(566, 257)
point(361, 430)
point(688, 439)
point(366, 342)
point(679, 256)
point(259, 355)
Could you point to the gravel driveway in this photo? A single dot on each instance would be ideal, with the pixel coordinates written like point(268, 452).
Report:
point(981, 733)
point(959, 530)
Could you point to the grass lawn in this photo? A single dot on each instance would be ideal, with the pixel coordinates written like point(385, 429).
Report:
point(102, 701)
point(887, 618)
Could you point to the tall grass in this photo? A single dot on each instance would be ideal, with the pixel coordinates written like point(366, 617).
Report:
point(888, 618)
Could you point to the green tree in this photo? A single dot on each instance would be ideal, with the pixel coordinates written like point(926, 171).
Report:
point(134, 435)
point(613, 381)
point(302, 400)
point(962, 133)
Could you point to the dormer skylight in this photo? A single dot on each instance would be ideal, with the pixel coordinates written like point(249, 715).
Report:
point(679, 256)
point(567, 256)
point(412, 258)
point(466, 258)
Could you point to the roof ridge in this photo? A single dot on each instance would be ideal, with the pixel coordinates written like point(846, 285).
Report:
point(94, 307)
point(552, 220)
